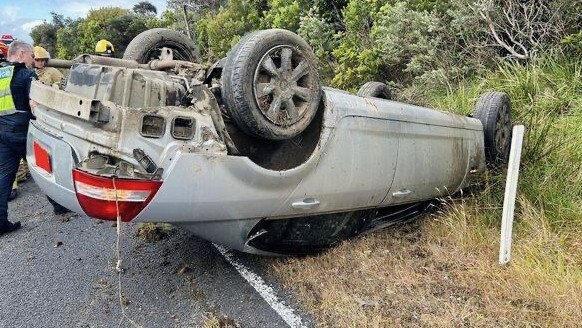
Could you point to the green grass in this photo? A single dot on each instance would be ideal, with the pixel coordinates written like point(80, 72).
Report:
point(443, 270)
point(546, 97)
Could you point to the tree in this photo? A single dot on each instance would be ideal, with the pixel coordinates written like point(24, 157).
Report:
point(331, 11)
point(117, 25)
point(217, 33)
point(45, 34)
point(121, 30)
point(200, 6)
point(68, 40)
point(524, 28)
point(96, 27)
point(357, 53)
point(284, 14)
point(319, 33)
point(145, 8)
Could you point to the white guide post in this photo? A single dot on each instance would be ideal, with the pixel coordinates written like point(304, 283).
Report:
point(510, 193)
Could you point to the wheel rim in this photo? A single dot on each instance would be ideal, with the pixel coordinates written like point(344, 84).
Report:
point(283, 85)
point(502, 132)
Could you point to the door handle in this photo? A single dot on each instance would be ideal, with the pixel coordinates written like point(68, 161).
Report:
point(401, 193)
point(306, 204)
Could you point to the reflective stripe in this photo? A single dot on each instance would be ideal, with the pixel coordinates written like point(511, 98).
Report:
point(6, 100)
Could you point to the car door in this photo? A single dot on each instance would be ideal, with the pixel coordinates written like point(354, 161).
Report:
point(433, 156)
point(355, 169)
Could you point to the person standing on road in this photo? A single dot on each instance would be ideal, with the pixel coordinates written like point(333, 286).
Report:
point(49, 76)
point(16, 76)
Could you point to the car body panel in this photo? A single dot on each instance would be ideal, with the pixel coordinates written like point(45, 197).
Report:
point(338, 183)
point(58, 185)
point(370, 153)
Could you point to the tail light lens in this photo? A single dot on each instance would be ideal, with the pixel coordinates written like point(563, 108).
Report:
point(102, 197)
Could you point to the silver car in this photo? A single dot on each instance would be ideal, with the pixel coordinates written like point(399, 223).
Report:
point(252, 152)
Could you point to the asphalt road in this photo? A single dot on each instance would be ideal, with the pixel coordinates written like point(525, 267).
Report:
point(59, 272)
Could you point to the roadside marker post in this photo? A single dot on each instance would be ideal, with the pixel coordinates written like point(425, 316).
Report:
point(510, 193)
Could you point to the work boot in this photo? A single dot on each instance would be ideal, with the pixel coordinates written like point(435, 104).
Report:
point(9, 227)
point(13, 194)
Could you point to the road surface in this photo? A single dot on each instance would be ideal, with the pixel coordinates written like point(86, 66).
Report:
point(60, 272)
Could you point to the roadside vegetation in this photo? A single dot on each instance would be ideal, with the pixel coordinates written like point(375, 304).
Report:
point(441, 270)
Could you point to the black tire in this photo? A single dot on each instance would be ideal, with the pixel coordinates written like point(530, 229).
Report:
point(493, 109)
point(148, 44)
point(375, 90)
point(270, 84)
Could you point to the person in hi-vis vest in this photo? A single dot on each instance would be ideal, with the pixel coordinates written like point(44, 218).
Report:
point(16, 110)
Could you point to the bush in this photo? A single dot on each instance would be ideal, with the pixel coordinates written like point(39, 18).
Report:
point(357, 54)
point(218, 33)
point(283, 14)
point(319, 33)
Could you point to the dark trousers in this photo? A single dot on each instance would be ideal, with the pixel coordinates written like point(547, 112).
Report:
point(13, 131)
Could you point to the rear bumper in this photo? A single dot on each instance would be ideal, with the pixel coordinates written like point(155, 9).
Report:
point(57, 185)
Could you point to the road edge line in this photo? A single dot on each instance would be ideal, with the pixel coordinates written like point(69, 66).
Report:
point(267, 293)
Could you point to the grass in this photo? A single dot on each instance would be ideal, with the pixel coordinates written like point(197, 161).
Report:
point(212, 320)
point(442, 270)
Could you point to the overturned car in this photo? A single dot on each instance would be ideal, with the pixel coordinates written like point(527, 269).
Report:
point(252, 152)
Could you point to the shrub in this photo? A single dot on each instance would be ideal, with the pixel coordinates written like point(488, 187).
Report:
point(319, 33)
point(217, 33)
point(357, 53)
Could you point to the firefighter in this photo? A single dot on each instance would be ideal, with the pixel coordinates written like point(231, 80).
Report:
point(104, 48)
point(47, 75)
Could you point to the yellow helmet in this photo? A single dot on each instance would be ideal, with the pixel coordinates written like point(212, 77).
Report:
point(41, 53)
point(104, 48)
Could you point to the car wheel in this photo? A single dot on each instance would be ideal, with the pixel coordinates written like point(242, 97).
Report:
point(493, 109)
point(270, 84)
point(375, 90)
point(147, 46)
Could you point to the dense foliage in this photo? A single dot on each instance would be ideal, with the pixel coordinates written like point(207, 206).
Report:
point(424, 42)
point(400, 42)
point(66, 38)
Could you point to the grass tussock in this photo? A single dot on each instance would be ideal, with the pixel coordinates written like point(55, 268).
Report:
point(152, 232)
point(443, 270)
point(213, 320)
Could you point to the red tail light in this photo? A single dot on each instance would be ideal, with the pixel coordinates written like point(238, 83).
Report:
point(102, 197)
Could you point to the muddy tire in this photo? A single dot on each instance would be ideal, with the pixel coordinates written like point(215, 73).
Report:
point(270, 84)
point(493, 109)
point(148, 44)
point(375, 90)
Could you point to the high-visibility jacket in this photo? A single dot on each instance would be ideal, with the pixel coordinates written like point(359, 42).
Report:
point(6, 101)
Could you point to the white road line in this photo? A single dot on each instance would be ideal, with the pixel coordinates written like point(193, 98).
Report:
point(266, 292)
